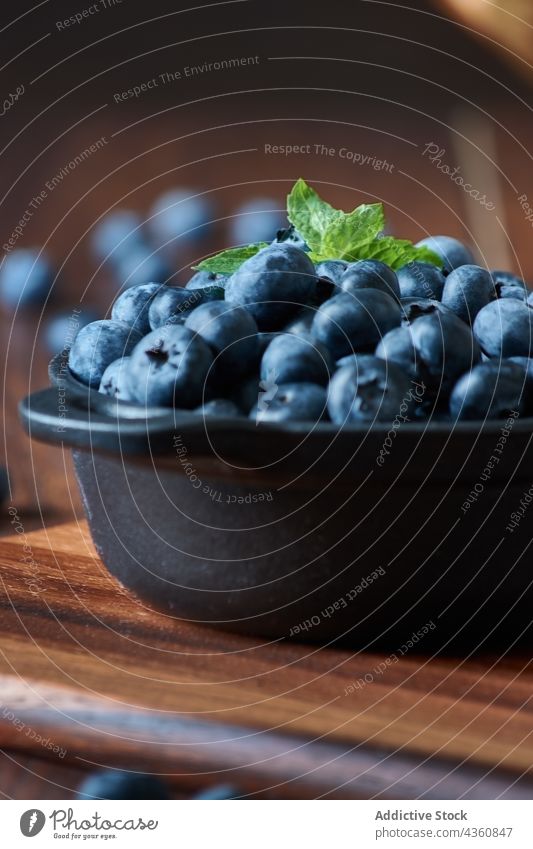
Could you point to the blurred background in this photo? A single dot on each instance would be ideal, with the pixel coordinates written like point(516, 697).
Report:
point(138, 139)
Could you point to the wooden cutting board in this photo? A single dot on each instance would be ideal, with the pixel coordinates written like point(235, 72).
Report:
point(89, 675)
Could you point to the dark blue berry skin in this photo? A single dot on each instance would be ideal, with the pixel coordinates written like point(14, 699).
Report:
point(245, 395)
point(349, 323)
point(178, 214)
point(169, 367)
point(263, 341)
point(435, 349)
point(296, 359)
point(97, 345)
point(220, 407)
point(300, 325)
point(491, 390)
point(332, 270)
point(115, 382)
point(273, 284)
point(117, 234)
point(370, 274)
point(368, 389)
point(413, 308)
point(169, 305)
point(290, 402)
point(140, 266)
point(203, 279)
point(26, 279)
point(467, 290)
point(504, 328)
point(451, 251)
point(230, 332)
point(508, 285)
point(110, 784)
point(133, 305)
point(60, 330)
point(257, 220)
point(421, 280)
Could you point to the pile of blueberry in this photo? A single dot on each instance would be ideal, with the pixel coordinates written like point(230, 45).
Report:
point(284, 339)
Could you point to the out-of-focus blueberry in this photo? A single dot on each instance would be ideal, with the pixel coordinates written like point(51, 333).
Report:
point(26, 279)
point(296, 359)
point(169, 367)
point(370, 274)
point(257, 220)
point(133, 304)
point(368, 389)
point(349, 323)
point(467, 290)
point(453, 252)
point(421, 280)
point(504, 328)
point(97, 345)
point(230, 332)
point(115, 381)
point(60, 330)
point(141, 265)
point(180, 213)
point(117, 234)
point(297, 402)
point(491, 390)
point(112, 784)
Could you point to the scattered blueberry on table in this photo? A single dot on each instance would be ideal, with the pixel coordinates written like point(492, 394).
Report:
point(26, 279)
point(329, 320)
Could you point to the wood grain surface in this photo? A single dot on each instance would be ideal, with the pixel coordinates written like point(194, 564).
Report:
point(90, 676)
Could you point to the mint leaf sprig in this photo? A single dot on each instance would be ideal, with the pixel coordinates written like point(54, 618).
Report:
point(332, 234)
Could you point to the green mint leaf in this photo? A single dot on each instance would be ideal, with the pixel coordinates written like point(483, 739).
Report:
point(309, 214)
point(229, 260)
point(396, 252)
point(347, 231)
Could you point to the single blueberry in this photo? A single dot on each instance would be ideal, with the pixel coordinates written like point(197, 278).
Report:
point(171, 304)
point(230, 332)
point(453, 252)
point(169, 367)
point(112, 784)
point(257, 220)
point(115, 380)
point(297, 402)
point(116, 234)
point(203, 279)
point(219, 407)
point(491, 390)
point(296, 359)
point(349, 322)
point(97, 345)
point(273, 284)
point(60, 330)
point(369, 389)
point(370, 274)
point(420, 280)
point(180, 213)
point(26, 279)
point(467, 290)
point(133, 304)
point(504, 328)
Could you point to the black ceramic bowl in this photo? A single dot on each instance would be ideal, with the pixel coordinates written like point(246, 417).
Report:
point(363, 535)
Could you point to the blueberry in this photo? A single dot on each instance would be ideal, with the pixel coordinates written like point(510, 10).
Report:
point(508, 285)
point(504, 328)
point(203, 279)
point(97, 345)
point(169, 367)
point(355, 322)
point(133, 304)
point(467, 290)
point(300, 324)
point(435, 350)
point(140, 265)
point(115, 380)
point(179, 213)
point(368, 389)
point(297, 402)
point(256, 220)
point(491, 390)
point(370, 274)
point(172, 302)
point(413, 308)
point(112, 784)
point(451, 251)
point(60, 330)
point(332, 270)
point(296, 359)
point(420, 280)
point(230, 332)
point(219, 407)
point(272, 284)
point(26, 279)
point(117, 234)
